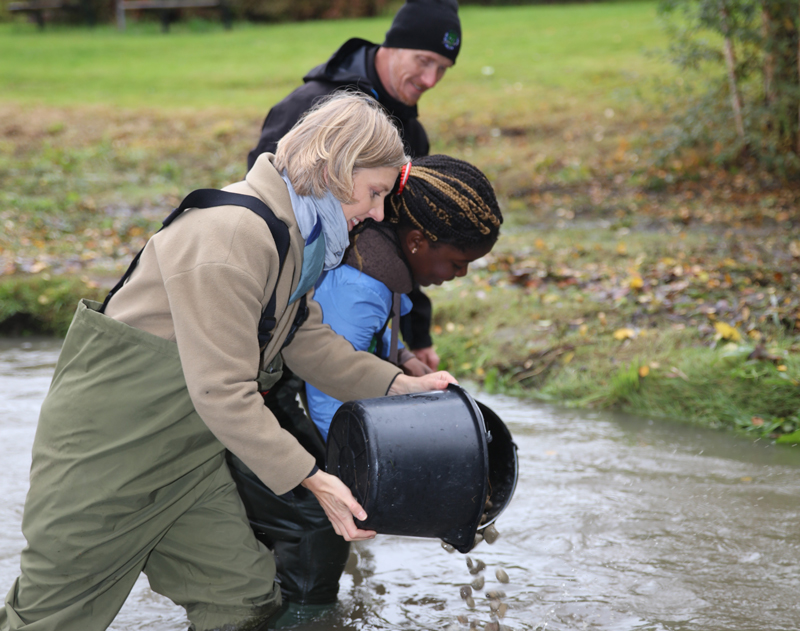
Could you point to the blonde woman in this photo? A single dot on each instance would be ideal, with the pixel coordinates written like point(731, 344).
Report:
point(129, 471)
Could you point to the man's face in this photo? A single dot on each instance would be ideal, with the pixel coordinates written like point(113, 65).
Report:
point(412, 72)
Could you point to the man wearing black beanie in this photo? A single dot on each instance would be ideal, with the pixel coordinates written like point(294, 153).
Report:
point(421, 44)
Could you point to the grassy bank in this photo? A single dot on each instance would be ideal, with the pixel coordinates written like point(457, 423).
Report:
point(662, 287)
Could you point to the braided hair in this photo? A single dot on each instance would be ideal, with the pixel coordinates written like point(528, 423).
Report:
point(449, 201)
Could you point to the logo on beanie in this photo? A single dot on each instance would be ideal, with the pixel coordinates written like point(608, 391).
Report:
point(451, 40)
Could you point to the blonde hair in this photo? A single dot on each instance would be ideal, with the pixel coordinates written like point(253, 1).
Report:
point(346, 132)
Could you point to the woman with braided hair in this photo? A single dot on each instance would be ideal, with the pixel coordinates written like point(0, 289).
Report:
point(441, 216)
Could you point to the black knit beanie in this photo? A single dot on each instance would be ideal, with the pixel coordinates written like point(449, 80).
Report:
point(427, 25)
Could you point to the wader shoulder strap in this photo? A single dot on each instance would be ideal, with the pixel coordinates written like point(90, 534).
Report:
point(211, 198)
point(393, 351)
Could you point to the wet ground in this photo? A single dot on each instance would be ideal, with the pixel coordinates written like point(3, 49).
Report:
point(618, 524)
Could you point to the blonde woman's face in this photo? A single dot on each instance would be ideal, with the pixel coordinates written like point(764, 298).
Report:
point(371, 186)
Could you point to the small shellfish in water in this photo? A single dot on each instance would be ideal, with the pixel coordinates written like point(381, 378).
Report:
point(494, 605)
point(495, 594)
point(491, 626)
point(478, 583)
point(490, 534)
point(501, 610)
point(476, 567)
point(501, 575)
point(466, 591)
point(448, 547)
point(470, 564)
point(462, 619)
point(470, 602)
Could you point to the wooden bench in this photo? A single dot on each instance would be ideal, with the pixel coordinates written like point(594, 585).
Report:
point(168, 8)
point(41, 10)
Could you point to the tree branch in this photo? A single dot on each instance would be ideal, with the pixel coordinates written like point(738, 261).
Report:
point(730, 62)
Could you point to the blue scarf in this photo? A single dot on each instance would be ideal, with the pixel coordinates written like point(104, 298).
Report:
point(328, 210)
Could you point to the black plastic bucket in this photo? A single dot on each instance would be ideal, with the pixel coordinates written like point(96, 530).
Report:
point(424, 464)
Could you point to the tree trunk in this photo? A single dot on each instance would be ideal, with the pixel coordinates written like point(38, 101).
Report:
point(120, 15)
point(768, 32)
point(797, 131)
point(730, 62)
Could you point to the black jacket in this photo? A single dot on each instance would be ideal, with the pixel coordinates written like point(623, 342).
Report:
point(353, 66)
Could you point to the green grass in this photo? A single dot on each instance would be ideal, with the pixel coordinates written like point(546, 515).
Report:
point(539, 56)
point(564, 352)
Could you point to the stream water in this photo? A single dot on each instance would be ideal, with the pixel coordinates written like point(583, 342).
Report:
point(618, 524)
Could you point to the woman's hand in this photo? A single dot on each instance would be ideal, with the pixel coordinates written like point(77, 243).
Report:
point(415, 368)
point(339, 505)
point(427, 356)
point(403, 384)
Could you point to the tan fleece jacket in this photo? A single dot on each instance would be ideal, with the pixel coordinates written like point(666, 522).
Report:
point(203, 282)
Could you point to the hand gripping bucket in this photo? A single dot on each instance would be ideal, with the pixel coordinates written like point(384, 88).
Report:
point(425, 464)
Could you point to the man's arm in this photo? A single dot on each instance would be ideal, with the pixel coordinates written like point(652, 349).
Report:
point(416, 329)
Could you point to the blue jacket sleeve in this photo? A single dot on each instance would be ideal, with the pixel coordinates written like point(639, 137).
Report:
point(356, 307)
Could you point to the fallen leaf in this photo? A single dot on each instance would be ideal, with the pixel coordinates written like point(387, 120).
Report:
point(677, 372)
point(759, 353)
point(624, 334)
point(644, 371)
point(727, 332)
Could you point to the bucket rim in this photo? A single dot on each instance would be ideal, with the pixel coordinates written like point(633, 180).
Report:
point(514, 451)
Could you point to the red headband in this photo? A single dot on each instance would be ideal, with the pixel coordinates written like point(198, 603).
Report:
point(404, 173)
